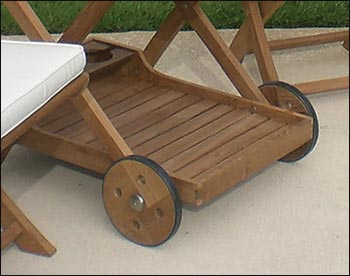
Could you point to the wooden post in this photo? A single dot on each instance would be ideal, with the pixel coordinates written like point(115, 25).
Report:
point(28, 21)
point(220, 50)
point(164, 35)
point(85, 21)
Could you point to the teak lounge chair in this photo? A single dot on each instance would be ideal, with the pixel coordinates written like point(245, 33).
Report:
point(160, 141)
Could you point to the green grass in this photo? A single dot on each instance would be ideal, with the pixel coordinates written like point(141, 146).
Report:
point(148, 15)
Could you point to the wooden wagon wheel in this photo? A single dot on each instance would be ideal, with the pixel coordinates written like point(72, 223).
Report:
point(142, 201)
point(291, 98)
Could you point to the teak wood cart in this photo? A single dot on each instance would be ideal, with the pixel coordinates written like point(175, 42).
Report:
point(160, 141)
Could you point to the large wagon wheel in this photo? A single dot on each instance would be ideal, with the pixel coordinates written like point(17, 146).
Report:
point(142, 201)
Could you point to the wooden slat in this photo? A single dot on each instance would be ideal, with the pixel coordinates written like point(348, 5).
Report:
point(138, 125)
point(214, 141)
point(124, 112)
point(105, 87)
point(120, 102)
point(84, 23)
point(247, 162)
point(196, 135)
point(146, 107)
point(241, 142)
point(99, 122)
point(28, 21)
point(164, 35)
point(157, 115)
point(218, 47)
point(166, 138)
point(169, 123)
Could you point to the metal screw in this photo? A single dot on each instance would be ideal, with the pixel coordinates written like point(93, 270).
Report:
point(159, 213)
point(141, 180)
point(117, 192)
point(136, 225)
point(288, 105)
point(137, 203)
point(253, 109)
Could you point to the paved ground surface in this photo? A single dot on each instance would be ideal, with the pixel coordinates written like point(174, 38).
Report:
point(289, 219)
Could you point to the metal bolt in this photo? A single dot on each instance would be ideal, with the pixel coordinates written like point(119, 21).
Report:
point(137, 203)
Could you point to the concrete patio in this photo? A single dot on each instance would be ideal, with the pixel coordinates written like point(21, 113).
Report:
point(292, 218)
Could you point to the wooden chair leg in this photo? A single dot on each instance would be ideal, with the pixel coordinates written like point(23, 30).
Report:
point(18, 229)
point(28, 21)
point(221, 52)
point(241, 44)
point(163, 37)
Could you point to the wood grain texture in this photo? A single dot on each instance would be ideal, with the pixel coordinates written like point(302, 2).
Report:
point(155, 222)
point(19, 229)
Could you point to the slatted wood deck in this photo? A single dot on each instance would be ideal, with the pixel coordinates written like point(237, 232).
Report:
point(195, 138)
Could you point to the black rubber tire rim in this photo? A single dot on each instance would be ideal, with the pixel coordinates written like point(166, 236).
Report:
point(310, 112)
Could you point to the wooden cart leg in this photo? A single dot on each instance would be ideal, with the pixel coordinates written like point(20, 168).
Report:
point(261, 48)
point(18, 228)
point(220, 50)
point(99, 122)
point(163, 37)
point(242, 44)
point(28, 21)
point(85, 21)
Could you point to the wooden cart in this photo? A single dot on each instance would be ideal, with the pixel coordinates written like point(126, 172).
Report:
point(160, 141)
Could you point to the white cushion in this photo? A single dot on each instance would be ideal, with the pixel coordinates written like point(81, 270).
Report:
point(31, 74)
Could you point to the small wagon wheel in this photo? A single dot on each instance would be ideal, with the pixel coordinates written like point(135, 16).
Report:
point(289, 97)
point(141, 201)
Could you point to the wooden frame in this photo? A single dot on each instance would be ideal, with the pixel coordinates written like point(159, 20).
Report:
point(130, 108)
point(251, 38)
point(252, 32)
point(17, 227)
